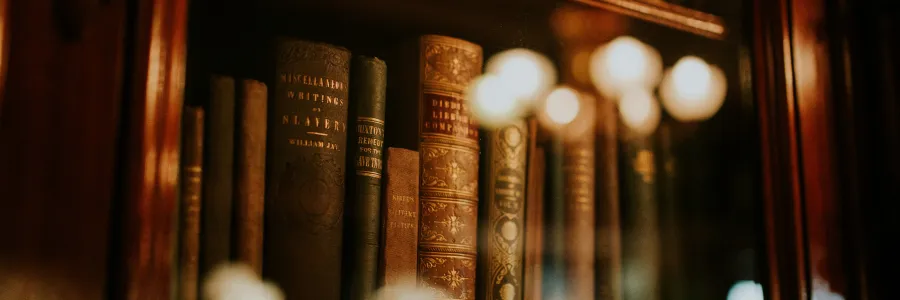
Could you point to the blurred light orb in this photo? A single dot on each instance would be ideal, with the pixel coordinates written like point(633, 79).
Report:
point(525, 73)
point(624, 64)
point(493, 102)
point(693, 90)
point(745, 290)
point(639, 111)
point(562, 105)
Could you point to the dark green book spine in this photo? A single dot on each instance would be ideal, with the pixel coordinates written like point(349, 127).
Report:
point(305, 165)
point(368, 77)
point(554, 269)
point(215, 231)
point(641, 245)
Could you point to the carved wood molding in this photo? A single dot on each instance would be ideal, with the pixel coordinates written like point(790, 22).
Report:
point(666, 14)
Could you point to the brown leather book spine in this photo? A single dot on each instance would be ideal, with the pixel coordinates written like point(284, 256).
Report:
point(250, 152)
point(609, 239)
point(305, 164)
point(578, 172)
point(218, 176)
point(448, 149)
point(504, 171)
point(191, 188)
point(534, 221)
point(401, 221)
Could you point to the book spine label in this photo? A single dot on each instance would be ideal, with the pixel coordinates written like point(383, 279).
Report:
point(448, 149)
point(191, 182)
point(306, 166)
point(578, 170)
point(503, 212)
point(368, 78)
point(250, 177)
point(217, 192)
point(401, 221)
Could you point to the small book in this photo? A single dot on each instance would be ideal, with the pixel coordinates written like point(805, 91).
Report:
point(191, 185)
point(250, 169)
point(401, 222)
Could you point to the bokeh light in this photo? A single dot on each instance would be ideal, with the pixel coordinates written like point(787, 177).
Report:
point(639, 111)
point(562, 105)
point(693, 90)
point(624, 64)
point(745, 290)
point(492, 101)
point(524, 73)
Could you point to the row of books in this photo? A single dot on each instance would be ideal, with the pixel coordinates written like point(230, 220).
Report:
point(421, 196)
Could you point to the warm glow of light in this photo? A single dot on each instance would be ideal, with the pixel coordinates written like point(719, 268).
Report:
point(238, 282)
point(693, 90)
point(405, 291)
point(525, 73)
point(562, 105)
point(492, 101)
point(745, 290)
point(639, 111)
point(624, 64)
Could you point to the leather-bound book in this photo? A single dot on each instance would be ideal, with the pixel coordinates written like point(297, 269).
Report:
point(250, 176)
point(191, 185)
point(215, 231)
point(553, 287)
point(502, 212)
point(608, 235)
point(640, 240)
point(534, 224)
point(305, 163)
point(401, 222)
point(368, 77)
point(578, 173)
point(432, 117)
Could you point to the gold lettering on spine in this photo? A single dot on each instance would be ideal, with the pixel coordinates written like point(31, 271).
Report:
point(370, 144)
point(506, 198)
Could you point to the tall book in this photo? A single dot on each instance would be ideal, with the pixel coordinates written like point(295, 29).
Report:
point(215, 231)
point(578, 174)
point(534, 224)
point(640, 241)
point(397, 270)
point(502, 211)
point(608, 235)
point(553, 285)
point(368, 77)
point(191, 185)
point(431, 87)
point(250, 177)
point(305, 164)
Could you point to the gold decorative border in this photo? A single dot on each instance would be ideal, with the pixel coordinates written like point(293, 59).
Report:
point(667, 14)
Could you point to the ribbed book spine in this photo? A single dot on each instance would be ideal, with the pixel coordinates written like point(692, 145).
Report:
point(306, 158)
point(502, 225)
point(368, 77)
point(578, 171)
point(215, 232)
point(250, 178)
point(191, 185)
point(448, 149)
point(401, 223)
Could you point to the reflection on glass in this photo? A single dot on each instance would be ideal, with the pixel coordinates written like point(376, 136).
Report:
point(492, 101)
point(639, 111)
point(624, 64)
point(524, 73)
point(562, 105)
point(693, 90)
point(745, 290)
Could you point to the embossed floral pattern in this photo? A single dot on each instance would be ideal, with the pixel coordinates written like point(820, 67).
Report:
point(454, 278)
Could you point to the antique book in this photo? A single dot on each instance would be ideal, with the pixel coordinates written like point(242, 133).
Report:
point(191, 185)
point(674, 277)
point(608, 235)
point(578, 174)
point(216, 216)
point(640, 240)
point(554, 215)
point(400, 242)
point(534, 223)
point(502, 212)
point(431, 87)
point(305, 164)
point(250, 176)
point(368, 77)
